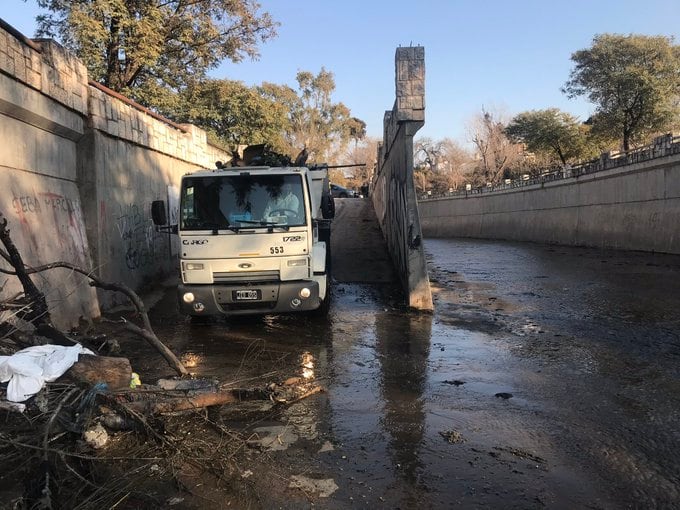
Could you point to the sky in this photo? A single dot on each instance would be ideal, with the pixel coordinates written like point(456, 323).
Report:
point(504, 56)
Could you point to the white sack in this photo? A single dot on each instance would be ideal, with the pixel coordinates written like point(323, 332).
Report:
point(29, 369)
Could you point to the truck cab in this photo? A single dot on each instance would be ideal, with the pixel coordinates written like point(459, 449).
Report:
point(253, 240)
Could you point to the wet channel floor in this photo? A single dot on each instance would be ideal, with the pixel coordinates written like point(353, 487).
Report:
point(547, 377)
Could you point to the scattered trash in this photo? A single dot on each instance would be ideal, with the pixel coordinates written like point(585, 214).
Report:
point(29, 369)
point(135, 380)
point(96, 437)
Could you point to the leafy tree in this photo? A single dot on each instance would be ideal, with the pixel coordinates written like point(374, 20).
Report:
point(233, 114)
point(356, 130)
point(633, 81)
point(550, 131)
point(314, 120)
point(144, 48)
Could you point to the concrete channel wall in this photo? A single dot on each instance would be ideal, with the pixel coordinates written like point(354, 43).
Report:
point(79, 167)
point(392, 188)
point(633, 206)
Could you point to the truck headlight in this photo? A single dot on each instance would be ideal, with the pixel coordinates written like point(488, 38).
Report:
point(305, 293)
point(193, 266)
point(297, 262)
point(188, 297)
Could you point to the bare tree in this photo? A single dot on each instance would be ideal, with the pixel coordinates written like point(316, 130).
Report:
point(427, 152)
point(495, 151)
point(441, 164)
point(362, 152)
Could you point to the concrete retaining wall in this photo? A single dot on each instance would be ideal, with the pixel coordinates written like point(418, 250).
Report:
point(392, 187)
point(632, 207)
point(79, 166)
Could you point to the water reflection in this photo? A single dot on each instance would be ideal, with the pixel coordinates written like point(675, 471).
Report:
point(403, 344)
point(307, 364)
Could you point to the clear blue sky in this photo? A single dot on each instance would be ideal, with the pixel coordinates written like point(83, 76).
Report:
point(499, 54)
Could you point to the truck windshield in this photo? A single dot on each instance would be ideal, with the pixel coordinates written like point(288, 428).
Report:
point(241, 201)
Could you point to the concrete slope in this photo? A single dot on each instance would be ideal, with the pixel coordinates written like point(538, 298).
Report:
point(358, 250)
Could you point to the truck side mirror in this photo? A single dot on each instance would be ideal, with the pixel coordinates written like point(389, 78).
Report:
point(158, 213)
point(327, 206)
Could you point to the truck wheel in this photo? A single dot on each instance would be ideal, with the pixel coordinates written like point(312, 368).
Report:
point(325, 305)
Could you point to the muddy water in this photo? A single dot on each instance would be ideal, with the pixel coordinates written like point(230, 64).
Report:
point(546, 377)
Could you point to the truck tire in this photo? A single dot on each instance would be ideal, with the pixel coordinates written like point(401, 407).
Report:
point(325, 236)
point(322, 311)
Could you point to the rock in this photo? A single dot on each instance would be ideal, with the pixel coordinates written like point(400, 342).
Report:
point(452, 436)
point(114, 421)
point(275, 438)
point(326, 447)
point(322, 487)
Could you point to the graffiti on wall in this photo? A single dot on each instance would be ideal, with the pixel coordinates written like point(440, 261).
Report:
point(142, 245)
point(63, 213)
point(396, 219)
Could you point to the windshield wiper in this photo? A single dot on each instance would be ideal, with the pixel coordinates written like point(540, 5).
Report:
point(269, 224)
point(209, 225)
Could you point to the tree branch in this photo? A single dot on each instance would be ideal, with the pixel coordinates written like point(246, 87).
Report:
point(146, 332)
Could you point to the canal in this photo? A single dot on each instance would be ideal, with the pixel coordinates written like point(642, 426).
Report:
point(546, 377)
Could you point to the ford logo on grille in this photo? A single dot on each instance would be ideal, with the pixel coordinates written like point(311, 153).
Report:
point(245, 265)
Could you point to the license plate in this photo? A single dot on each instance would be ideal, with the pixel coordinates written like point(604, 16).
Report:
point(246, 295)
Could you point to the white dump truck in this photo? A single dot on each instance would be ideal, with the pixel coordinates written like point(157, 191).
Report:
point(253, 240)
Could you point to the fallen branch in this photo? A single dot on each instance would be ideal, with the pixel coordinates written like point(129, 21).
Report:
point(38, 311)
point(184, 403)
point(146, 332)
point(150, 337)
point(158, 401)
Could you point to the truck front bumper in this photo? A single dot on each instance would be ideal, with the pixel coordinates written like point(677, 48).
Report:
point(215, 299)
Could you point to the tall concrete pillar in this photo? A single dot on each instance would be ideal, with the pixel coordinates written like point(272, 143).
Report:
point(393, 189)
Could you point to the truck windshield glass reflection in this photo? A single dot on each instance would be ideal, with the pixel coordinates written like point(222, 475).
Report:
point(246, 201)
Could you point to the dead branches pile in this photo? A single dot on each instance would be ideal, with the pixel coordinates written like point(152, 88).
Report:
point(90, 440)
point(78, 447)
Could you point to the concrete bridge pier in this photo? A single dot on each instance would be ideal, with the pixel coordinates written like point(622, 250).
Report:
point(392, 188)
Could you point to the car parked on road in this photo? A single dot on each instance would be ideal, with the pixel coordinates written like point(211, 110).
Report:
point(338, 191)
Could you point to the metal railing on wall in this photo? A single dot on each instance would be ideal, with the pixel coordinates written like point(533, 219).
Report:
point(663, 146)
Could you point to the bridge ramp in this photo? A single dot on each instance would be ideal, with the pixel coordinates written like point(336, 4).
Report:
point(358, 250)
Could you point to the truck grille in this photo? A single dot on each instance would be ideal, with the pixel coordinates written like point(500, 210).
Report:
point(246, 276)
